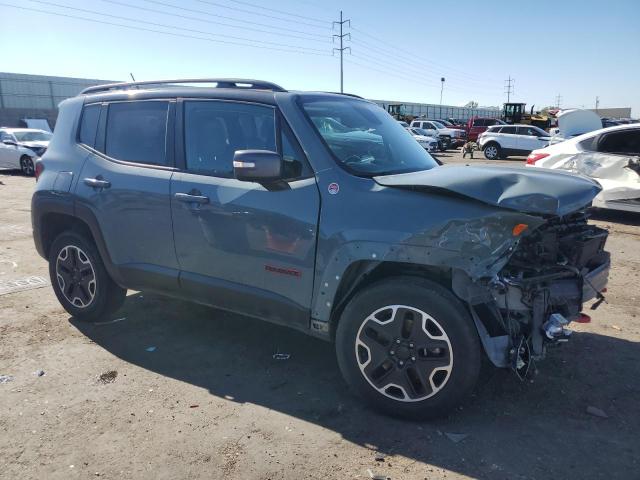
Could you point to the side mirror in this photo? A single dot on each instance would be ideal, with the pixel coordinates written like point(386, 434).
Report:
point(257, 165)
point(9, 142)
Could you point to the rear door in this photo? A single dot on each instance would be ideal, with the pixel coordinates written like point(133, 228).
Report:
point(243, 246)
point(125, 186)
point(508, 139)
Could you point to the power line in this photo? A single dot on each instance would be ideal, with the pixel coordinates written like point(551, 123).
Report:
point(173, 34)
point(405, 60)
point(242, 10)
point(342, 48)
point(279, 11)
point(509, 87)
point(163, 25)
point(412, 56)
point(209, 14)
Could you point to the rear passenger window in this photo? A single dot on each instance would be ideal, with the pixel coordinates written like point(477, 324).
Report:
point(137, 131)
point(89, 124)
point(213, 131)
point(621, 142)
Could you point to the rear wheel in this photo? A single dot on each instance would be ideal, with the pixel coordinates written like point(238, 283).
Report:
point(408, 347)
point(492, 151)
point(26, 165)
point(80, 280)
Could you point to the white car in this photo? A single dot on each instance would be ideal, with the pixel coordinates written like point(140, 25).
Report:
point(500, 141)
point(574, 122)
point(427, 140)
point(450, 137)
point(21, 147)
point(609, 155)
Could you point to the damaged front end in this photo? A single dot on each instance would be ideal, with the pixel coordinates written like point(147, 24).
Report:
point(530, 302)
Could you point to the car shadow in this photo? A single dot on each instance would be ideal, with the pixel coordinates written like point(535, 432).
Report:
point(617, 216)
point(533, 429)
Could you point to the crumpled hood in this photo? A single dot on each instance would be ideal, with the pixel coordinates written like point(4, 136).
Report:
point(535, 191)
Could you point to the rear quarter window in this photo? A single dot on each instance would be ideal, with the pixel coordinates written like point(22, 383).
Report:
point(89, 125)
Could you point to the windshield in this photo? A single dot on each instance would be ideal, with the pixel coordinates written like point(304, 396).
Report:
point(369, 141)
point(438, 125)
point(32, 136)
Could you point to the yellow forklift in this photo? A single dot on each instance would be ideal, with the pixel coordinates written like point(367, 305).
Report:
point(515, 113)
point(398, 111)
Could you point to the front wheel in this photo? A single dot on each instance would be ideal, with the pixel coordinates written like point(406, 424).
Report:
point(80, 279)
point(408, 347)
point(26, 166)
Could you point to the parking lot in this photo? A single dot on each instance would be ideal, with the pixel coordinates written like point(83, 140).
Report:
point(167, 389)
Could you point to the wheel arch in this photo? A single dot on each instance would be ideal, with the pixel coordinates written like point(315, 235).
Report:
point(360, 274)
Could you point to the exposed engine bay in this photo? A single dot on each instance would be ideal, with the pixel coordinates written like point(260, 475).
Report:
point(542, 288)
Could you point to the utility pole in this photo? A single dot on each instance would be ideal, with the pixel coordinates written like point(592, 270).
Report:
point(510, 82)
point(342, 48)
point(558, 100)
point(597, 103)
point(442, 79)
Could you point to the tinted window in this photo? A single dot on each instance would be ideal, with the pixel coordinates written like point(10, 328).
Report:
point(510, 130)
point(89, 124)
point(136, 132)
point(624, 142)
point(215, 130)
point(5, 136)
point(479, 122)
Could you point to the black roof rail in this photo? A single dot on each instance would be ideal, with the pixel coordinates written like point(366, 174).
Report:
point(220, 83)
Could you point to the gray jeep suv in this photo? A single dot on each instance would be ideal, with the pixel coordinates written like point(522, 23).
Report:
point(320, 212)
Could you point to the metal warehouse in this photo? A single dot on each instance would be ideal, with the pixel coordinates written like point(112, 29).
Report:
point(36, 96)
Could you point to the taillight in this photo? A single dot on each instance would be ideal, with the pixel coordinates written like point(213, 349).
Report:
point(534, 157)
point(39, 168)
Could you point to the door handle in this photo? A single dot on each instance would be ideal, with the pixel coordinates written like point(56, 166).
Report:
point(97, 182)
point(189, 198)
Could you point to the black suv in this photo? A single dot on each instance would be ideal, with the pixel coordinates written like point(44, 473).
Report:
point(320, 212)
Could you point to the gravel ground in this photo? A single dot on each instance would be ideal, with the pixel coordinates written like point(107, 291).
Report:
point(174, 390)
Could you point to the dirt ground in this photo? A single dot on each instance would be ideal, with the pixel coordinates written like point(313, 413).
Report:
point(173, 390)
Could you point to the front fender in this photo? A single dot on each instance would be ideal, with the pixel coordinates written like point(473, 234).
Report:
point(480, 247)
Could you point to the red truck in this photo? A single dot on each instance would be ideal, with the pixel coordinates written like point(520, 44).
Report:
point(477, 125)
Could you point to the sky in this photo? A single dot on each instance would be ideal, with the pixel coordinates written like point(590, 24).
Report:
point(568, 51)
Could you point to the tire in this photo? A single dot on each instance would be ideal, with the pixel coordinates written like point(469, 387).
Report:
point(26, 166)
point(492, 151)
point(414, 373)
point(74, 260)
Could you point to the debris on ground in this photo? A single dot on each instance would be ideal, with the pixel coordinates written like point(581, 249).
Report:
point(281, 356)
point(596, 412)
point(377, 476)
point(194, 406)
point(616, 327)
point(150, 349)
point(39, 373)
point(108, 377)
point(109, 322)
point(456, 437)
point(380, 457)
point(6, 378)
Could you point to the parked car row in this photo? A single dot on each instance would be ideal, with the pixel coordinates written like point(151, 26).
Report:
point(21, 147)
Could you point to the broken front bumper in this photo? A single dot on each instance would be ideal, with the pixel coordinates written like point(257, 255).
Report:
point(595, 281)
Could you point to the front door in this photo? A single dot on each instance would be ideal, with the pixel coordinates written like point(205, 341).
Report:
point(125, 185)
point(244, 246)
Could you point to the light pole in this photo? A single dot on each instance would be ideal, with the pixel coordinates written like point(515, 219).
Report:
point(441, 89)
